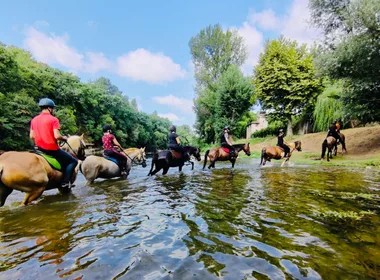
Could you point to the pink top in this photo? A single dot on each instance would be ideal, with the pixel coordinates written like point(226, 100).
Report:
point(107, 140)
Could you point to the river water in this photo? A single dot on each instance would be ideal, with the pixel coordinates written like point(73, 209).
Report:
point(299, 222)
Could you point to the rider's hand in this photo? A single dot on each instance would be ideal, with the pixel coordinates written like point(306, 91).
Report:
point(64, 138)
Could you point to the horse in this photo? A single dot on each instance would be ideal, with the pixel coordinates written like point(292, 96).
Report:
point(342, 142)
point(169, 158)
point(275, 152)
point(219, 154)
point(99, 167)
point(31, 173)
point(329, 144)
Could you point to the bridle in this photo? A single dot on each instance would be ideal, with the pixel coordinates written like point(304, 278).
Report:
point(139, 161)
point(80, 154)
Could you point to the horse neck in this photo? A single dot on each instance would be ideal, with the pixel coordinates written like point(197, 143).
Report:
point(132, 152)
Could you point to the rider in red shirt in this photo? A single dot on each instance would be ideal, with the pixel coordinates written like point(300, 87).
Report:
point(44, 130)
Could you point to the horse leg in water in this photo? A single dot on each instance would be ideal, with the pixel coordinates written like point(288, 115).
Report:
point(35, 194)
point(212, 164)
point(4, 193)
point(166, 168)
point(154, 164)
point(180, 168)
point(233, 163)
point(205, 160)
point(192, 165)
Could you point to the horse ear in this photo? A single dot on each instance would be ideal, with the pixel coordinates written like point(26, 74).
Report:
point(144, 149)
point(81, 137)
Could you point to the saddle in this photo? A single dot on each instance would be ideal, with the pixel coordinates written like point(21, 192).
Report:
point(176, 155)
point(165, 155)
point(226, 150)
point(54, 163)
point(111, 159)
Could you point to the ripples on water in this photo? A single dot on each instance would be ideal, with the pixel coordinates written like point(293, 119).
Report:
point(247, 223)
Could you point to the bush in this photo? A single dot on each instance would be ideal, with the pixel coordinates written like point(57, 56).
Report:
point(271, 130)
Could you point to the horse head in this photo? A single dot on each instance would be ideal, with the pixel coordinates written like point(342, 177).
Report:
point(297, 146)
point(142, 157)
point(76, 146)
point(247, 149)
point(195, 151)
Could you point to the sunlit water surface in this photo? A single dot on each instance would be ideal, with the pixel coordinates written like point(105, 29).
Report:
point(246, 223)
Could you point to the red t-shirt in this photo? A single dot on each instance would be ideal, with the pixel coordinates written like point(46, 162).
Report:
point(43, 126)
point(107, 140)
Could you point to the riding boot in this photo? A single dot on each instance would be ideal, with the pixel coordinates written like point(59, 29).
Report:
point(232, 154)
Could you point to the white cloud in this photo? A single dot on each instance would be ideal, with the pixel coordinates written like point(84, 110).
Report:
point(182, 104)
point(266, 19)
point(139, 65)
point(254, 41)
point(170, 116)
point(143, 65)
point(52, 49)
point(296, 25)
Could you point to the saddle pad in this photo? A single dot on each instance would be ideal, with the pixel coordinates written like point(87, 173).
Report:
point(112, 159)
point(226, 150)
point(52, 161)
point(163, 154)
point(176, 155)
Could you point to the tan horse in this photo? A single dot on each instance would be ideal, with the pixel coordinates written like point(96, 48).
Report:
point(275, 152)
point(329, 144)
point(32, 174)
point(99, 167)
point(218, 154)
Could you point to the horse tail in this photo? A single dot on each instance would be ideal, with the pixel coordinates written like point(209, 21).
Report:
point(152, 166)
point(1, 171)
point(324, 147)
point(206, 156)
point(263, 151)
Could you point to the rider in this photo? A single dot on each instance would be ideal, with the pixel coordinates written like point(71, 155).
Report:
point(174, 142)
point(334, 131)
point(226, 143)
point(44, 130)
point(109, 140)
point(282, 143)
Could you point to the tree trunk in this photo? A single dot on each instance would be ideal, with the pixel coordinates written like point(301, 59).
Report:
point(289, 130)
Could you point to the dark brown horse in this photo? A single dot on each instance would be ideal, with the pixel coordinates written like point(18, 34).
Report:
point(166, 159)
point(275, 152)
point(329, 144)
point(342, 142)
point(219, 154)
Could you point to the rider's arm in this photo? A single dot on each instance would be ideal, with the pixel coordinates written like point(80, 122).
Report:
point(31, 134)
point(286, 143)
point(228, 139)
point(178, 141)
point(58, 136)
point(117, 144)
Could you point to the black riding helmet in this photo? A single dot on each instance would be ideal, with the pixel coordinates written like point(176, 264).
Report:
point(106, 128)
point(172, 128)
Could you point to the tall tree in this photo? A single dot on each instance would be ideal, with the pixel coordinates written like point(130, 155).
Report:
point(285, 80)
point(213, 51)
point(351, 52)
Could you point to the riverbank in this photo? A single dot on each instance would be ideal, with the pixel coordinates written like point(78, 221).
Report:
point(363, 146)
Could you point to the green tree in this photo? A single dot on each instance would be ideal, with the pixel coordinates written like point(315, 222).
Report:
point(213, 51)
point(328, 107)
point(285, 80)
point(351, 52)
point(234, 98)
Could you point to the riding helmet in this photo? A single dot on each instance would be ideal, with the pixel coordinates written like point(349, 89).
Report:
point(172, 128)
point(46, 102)
point(227, 127)
point(106, 128)
point(281, 130)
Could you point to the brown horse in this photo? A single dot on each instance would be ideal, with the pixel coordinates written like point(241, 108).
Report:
point(342, 142)
point(218, 154)
point(329, 144)
point(32, 174)
point(275, 152)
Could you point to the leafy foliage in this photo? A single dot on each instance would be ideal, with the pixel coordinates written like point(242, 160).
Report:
point(284, 80)
point(271, 130)
point(328, 107)
point(351, 52)
point(214, 52)
point(82, 107)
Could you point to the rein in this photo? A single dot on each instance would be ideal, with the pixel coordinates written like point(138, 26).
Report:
point(74, 153)
point(133, 159)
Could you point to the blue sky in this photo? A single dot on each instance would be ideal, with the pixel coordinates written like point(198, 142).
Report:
point(142, 46)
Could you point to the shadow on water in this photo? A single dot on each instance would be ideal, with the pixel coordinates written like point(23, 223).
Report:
point(269, 223)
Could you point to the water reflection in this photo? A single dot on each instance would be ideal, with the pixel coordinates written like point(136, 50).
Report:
point(247, 223)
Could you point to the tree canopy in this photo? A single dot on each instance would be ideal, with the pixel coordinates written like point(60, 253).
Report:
point(285, 81)
point(351, 52)
point(223, 94)
point(81, 107)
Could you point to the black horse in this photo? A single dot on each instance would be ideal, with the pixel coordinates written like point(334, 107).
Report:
point(166, 159)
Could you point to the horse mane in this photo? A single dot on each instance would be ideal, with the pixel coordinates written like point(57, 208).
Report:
point(131, 149)
point(238, 145)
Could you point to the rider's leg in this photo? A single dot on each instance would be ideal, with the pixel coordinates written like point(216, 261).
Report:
point(122, 159)
point(69, 162)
